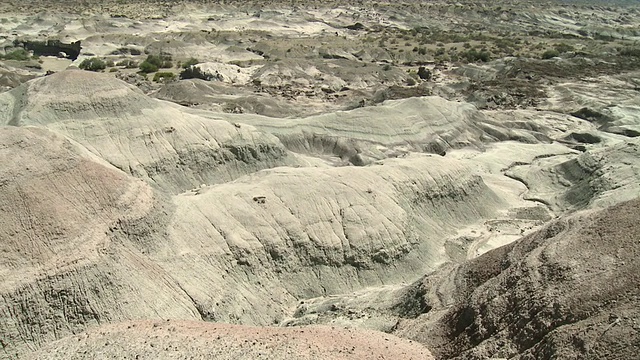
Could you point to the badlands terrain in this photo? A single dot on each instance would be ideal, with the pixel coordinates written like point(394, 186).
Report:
point(319, 179)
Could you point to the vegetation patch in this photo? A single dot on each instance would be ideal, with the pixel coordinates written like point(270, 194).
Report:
point(93, 64)
point(190, 62)
point(19, 54)
point(550, 54)
point(164, 77)
point(155, 62)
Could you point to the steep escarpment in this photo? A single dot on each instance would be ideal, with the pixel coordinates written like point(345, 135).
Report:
point(569, 290)
point(146, 138)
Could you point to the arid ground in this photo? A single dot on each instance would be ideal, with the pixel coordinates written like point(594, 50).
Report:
point(319, 179)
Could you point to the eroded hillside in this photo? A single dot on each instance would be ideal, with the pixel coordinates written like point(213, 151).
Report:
point(406, 178)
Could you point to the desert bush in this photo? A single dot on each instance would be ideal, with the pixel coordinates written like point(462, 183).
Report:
point(191, 61)
point(127, 63)
point(125, 50)
point(635, 52)
point(473, 55)
point(549, 54)
point(424, 73)
point(155, 62)
point(18, 54)
point(147, 67)
point(563, 48)
point(164, 76)
point(93, 64)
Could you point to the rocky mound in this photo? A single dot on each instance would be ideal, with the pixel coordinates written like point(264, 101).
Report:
point(198, 340)
point(288, 234)
point(597, 178)
point(218, 97)
point(146, 138)
point(396, 127)
point(242, 252)
point(50, 222)
point(61, 270)
point(569, 291)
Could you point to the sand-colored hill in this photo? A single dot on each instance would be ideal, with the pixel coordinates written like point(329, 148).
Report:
point(128, 242)
point(197, 340)
point(352, 180)
point(146, 138)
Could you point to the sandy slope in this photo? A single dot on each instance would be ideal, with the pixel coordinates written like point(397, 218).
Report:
point(147, 138)
point(138, 246)
point(198, 340)
point(135, 228)
point(570, 290)
point(119, 207)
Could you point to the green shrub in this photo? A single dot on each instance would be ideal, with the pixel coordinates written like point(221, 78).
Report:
point(162, 61)
point(164, 76)
point(424, 73)
point(125, 50)
point(18, 54)
point(191, 61)
point(549, 54)
point(127, 63)
point(93, 64)
point(147, 67)
point(473, 55)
